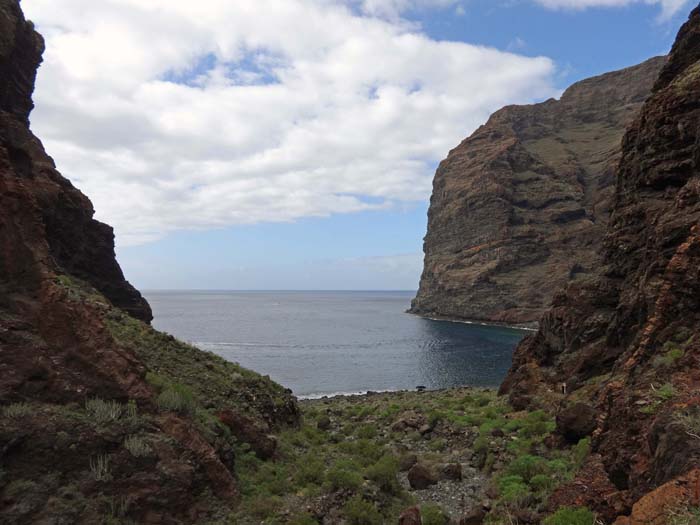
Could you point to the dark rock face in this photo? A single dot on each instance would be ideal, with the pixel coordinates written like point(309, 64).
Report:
point(519, 208)
point(62, 217)
point(626, 340)
point(65, 347)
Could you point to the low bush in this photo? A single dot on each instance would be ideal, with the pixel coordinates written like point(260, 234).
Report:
point(384, 473)
point(177, 398)
point(571, 516)
point(359, 511)
point(433, 515)
point(343, 475)
point(137, 446)
point(527, 467)
point(99, 467)
point(16, 410)
point(513, 490)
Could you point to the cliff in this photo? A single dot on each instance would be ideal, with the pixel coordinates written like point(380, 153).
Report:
point(101, 417)
point(519, 208)
point(618, 353)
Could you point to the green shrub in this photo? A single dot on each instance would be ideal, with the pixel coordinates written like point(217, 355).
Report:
point(690, 421)
point(303, 519)
point(571, 516)
point(99, 467)
point(437, 445)
point(17, 410)
point(580, 451)
point(513, 490)
point(684, 516)
point(384, 473)
point(367, 432)
point(433, 515)
point(671, 355)
point(536, 424)
point(309, 469)
point(177, 398)
point(344, 475)
point(361, 512)
point(542, 483)
point(103, 411)
point(665, 392)
point(527, 467)
point(137, 446)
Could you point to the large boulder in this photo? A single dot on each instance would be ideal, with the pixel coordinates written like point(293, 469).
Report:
point(576, 422)
point(421, 476)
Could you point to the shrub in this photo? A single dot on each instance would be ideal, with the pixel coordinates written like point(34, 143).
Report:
point(177, 398)
point(513, 490)
point(671, 355)
point(344, 475)
point(690, 421)
point(99, 467)
point(303, 519)
point(384, 473)
point(580, 451)
point(309, 470)
point(367, 432)
point(665, 392)
point(17, 410)
point(684, 516)
point(536, 424)
point(361, 512)
point(137, 446)
point(571, 516)
point(527, 467)
point(103, 411)
point(433, 515)
point(542, 482)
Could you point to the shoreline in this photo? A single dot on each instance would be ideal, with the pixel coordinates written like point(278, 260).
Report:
point(378, 393)
point(525, 327)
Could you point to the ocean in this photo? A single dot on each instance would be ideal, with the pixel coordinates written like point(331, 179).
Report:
point(328, 343)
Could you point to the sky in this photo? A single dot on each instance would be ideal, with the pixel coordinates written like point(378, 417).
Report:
point(291, 144)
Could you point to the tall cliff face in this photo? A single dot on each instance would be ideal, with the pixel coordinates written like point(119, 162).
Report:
point(58, 214)
point(626, 341)
point(102, 419)
point(519, 208)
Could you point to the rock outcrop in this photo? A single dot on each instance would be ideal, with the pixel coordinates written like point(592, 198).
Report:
point(102, 419)
point(626, 340)
point(72, 242)
point(519, 208)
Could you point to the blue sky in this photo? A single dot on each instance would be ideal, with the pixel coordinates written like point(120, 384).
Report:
point(219, 172)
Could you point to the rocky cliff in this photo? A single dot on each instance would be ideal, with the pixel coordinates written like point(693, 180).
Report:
point(101, 417)
point(519, 208)
point(619, 352)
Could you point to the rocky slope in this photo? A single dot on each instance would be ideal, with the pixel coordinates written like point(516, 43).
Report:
point(619, 352)
point(519, 208)
point(101, 417)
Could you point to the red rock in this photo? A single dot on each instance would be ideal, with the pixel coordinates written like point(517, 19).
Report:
point(421, 476)
point(411, 516)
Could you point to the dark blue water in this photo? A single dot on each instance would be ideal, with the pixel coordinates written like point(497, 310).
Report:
point(337, 342)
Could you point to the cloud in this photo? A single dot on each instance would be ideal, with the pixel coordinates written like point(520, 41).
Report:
point(393, 8)
point(179, 115)
point(668, 7)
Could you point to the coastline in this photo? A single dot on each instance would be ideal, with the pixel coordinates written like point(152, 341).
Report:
point(525, 327)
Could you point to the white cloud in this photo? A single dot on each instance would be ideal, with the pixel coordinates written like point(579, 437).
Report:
point(393, 8)
point(668, 7)
point(173, 114)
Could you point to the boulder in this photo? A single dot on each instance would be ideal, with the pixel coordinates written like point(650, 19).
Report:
point(475, 516)
point(323, 423)
point(451, 471)
point(421, 476)
point(576, 422)
point(410, 516)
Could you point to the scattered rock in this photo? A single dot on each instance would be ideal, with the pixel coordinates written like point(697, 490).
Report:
point(324, 423)
point(407, 461)
point(451, 471)
point(576, 422)
point(475, 516)
point(420, 476)
point(250, 431)
point(411, 516)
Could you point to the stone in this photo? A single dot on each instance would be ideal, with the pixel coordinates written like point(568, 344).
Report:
point(475, 516)
point(576, 422)
point(323, 423)
point(451, 472)
point(420, 477)
point(406, 461)
point(411, 516)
